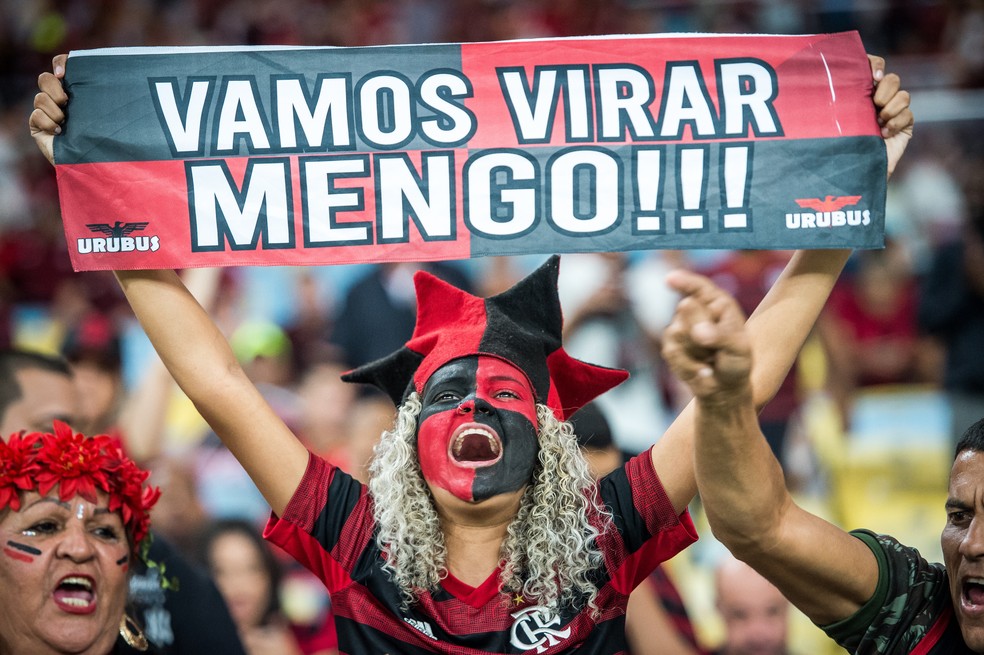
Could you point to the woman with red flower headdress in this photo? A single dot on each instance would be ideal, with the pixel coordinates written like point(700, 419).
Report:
point(481, 528)
point(73, 514)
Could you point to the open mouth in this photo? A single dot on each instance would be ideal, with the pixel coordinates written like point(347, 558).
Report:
point(76, 594)
point(474, 445)
point(973, 590)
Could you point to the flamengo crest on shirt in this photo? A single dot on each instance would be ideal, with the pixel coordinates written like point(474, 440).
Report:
point(537, 627)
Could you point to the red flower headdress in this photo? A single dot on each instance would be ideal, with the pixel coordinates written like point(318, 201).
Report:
point(77, 465)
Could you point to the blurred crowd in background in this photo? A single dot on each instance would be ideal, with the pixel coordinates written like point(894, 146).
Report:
point(895, 369)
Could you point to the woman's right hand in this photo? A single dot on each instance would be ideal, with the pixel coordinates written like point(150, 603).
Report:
point(48, 114)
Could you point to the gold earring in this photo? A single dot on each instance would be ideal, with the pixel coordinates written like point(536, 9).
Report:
point(132, 634)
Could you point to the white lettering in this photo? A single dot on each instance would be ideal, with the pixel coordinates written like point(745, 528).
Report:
point(576, 104)
point(505, 208)
point(185, 132)
point(686, 100)
point(624, 92)
point(532, 114)
point(323, 201)
point(293, 108)
point(837, 218)
point(219, 210)
point(567, 197)
point(747, 90)
point(401, 195)
point(86, 246)
point(240, 114)
point(458, 123)
point(386, 110)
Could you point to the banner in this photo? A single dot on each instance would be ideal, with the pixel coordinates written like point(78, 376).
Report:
point(184, 157)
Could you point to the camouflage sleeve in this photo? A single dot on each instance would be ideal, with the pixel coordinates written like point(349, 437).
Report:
point(910, 595)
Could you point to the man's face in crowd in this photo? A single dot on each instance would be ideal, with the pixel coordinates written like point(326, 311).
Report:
point(98, 390)
point(477, 429)
point(45, 396)
point(962, 542)
point(753, 610)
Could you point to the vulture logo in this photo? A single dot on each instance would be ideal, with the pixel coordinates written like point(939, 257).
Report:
point(118, 238)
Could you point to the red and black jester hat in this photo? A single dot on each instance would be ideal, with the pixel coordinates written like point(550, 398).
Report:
point(521, 325)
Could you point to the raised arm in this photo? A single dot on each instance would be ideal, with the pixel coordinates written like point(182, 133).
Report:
point(776, 332)
point(143, 415)
point(192, 347)
point(201, 362)
point(821, 569)
point(780, 325)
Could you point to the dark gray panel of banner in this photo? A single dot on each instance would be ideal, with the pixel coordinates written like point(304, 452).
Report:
point(669, 201)
point(122, 114)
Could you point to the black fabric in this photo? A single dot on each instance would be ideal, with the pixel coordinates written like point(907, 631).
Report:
point(370, 325)
point(911, 600)
point(951, 310)
point(193, 620)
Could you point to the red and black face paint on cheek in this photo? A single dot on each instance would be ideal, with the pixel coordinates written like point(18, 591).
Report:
point(476, 434)
point(20, 552)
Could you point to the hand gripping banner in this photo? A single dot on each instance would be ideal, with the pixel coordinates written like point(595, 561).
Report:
point(183, 157)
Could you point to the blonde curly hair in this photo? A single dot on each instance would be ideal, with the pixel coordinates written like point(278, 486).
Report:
point(551, 546)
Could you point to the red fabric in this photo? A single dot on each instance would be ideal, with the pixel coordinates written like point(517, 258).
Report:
point(895, 329)
point(450, 324)
point(662, 586)
point(313, 641)
point(926, 645)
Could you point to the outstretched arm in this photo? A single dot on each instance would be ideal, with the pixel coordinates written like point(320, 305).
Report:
point(780, 325)
point(776, 332)
point(823, 570)
point(192, 347)
point(143, 414)
point(201, 362)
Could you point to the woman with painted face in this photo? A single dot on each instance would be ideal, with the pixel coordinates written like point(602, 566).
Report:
point(481, 529)
point(73, 512)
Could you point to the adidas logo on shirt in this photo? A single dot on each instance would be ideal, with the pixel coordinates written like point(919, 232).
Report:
point(423, 627)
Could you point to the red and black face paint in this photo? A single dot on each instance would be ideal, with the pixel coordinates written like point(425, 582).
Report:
point(21, 552)
point(477, 434)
